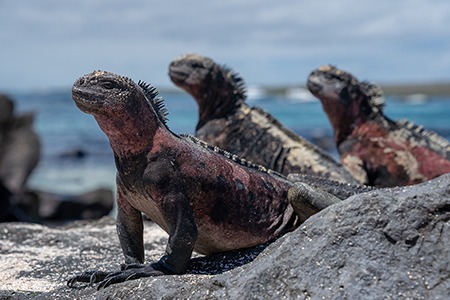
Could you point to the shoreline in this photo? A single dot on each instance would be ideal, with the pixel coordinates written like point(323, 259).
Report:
point(437, 89)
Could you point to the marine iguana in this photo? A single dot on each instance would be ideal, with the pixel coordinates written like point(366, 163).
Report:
point(375, 149)
point(206, 199)
point(226, 121)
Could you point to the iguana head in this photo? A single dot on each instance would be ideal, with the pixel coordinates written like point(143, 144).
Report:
point(216, 88)
point(104, 92)
point(129, 113)
point(346, 101)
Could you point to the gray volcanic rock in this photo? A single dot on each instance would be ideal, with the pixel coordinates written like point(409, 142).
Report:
point(391, 243)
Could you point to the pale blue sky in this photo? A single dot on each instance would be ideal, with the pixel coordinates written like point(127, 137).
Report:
point(49, 43)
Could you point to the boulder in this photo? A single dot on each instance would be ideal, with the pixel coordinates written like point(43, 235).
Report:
point(19, 155)
point(390, 243)
point(85, 206)
point(5, 202)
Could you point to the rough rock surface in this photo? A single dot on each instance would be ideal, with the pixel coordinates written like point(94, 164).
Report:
point(383, 244)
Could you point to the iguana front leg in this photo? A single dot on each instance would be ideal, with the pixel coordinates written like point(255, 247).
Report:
point(183, 234)
point(308, 201)
point(130, 231)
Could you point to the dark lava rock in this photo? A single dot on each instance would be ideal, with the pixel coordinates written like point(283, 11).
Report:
point(19, 152)
point(19, 155)
point(386, 244)
point(5, 202)
point(91, 205)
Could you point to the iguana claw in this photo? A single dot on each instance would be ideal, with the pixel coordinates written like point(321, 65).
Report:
point(105, 279)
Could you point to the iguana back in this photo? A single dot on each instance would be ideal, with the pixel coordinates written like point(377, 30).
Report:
point(225, 120)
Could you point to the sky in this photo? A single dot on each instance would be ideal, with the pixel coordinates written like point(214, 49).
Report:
point(50, 43)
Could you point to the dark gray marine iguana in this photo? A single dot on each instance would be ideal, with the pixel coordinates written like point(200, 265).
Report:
point(226, 121)
point(375, 149)
point(206, 199)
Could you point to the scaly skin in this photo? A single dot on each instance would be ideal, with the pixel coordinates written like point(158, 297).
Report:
point(338, 189)
point(375, 149)
point(226, 121)
point(206, 199)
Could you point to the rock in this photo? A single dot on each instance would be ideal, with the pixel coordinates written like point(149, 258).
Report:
point(390, 243)
point(19, 155)
point(5, 202)
point(51, 208)
point(73, 154)
point(90, 205)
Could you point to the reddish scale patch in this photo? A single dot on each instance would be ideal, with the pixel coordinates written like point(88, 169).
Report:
point(234, 206)
point(218, 180)
point(372, 146)
point(380, 154)
point(431, 164)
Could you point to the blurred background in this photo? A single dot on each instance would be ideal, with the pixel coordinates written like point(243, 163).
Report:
point(46, 45)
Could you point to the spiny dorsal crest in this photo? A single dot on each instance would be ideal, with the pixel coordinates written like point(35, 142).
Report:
point(237, 81)
point(438, 143)
point(151, 93)
point(231, 156)
point(374, 95)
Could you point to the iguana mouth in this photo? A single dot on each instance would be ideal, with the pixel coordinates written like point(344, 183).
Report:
point(85, 98)
point(323, 84)
point(179, 73)
point(314, 84)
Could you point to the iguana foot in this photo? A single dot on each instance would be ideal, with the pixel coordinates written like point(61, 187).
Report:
point(307, 200)
point(127, 272)
point(89, 276)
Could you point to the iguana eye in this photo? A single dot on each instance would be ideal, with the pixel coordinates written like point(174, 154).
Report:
point(198, 65)
point(109, 85)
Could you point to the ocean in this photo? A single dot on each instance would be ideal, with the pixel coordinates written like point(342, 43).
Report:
point(65, 130)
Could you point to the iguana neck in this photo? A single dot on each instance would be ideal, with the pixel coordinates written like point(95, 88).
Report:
point(223, 106)
point(218, 101)
point(345, 117)
point(131, 132)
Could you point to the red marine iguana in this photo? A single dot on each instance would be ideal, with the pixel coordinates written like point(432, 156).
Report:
point(376, 150)
point(226, 121)
point(206, 199)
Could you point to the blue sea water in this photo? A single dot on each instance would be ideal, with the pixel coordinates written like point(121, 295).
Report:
point(64, 129)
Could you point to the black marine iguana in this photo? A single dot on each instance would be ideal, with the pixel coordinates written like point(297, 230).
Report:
point(375, 149)
point(226, 121)
point(206, 199)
